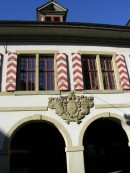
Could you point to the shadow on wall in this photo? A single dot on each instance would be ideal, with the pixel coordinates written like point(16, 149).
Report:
point(3, 137)
point(127, 117)
point(4, 153)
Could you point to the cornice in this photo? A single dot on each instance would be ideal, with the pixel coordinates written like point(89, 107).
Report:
point(72, 33)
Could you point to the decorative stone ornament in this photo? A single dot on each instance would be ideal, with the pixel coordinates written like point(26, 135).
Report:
point(71, 108)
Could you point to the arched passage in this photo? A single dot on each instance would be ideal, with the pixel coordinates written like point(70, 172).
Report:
point(105, 147)
point(37, 146)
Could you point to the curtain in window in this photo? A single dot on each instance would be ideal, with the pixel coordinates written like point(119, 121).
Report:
point(77, 71)
point(11, 72)
point(123, 73)
point(62, 71)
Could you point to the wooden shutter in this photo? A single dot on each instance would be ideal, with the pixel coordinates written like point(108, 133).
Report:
point(11, 72)
point(123, 73)
point(77, 71)
point(62, 75)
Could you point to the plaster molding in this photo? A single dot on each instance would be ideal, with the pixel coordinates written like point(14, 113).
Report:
point(102, 106)
point(74, 148)
point(32, 108)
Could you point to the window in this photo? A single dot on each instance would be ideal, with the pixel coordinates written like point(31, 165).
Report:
point(48, 18)
point(1, 64)
point(35, 72)
point(52, 18)
point(46, 73)
point(98, 72)
point(90, 76)
point(107, 72)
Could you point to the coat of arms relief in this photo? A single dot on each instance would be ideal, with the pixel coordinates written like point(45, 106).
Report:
point(71, 108)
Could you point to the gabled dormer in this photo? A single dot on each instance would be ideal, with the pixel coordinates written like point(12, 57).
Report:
point(128, 23)
point(51, 12)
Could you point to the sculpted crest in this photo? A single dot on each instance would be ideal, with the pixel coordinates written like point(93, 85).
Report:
point(71, 108)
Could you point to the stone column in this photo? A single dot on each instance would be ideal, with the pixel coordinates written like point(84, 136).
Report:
point(127, 130)
point(4, 163)
point(75, 160)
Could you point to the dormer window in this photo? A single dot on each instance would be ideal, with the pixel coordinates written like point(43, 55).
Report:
point(57, 19)
point(52, 18)
point(51, 12)
point(48, 18)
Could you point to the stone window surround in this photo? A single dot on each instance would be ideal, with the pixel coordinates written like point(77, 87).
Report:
point(98, 53)
point(37, 92)
point(37, 52)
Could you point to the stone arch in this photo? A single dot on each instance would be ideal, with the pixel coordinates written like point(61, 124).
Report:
point(97, 116)
point(36, 117)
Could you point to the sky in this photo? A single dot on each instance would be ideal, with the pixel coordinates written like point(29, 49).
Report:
point(115, 12)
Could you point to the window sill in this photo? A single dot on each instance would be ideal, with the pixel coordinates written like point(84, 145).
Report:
point(17, 93)
point(102, 91)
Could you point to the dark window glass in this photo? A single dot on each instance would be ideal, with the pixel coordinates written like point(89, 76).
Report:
point(89, 68)
point(48, 18)
point(1, 64)
point(46, 72)
point(57, 19)
point(107, 72)
point(26, 70)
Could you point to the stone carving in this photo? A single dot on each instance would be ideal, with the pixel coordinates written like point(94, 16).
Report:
point(71, 108)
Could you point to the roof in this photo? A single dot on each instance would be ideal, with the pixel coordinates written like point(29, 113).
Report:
point(128, 23)
point(72, 33)
point(52, 8)
point(52, 2)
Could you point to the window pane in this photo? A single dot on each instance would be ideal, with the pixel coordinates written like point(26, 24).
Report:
point(107, 72)
point(46, 72)
point(57, 19)
point(50, 80)
point(22, 81)
point(31, 81)
point(26, 70)
point(48, 18)
point(89, 68)
point(50, 63)
point(42, 81)
point(31, 64)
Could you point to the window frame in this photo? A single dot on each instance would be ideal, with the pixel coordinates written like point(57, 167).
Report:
point(99, 71)
point(1, 68)
point(52, 18)
point(37, 55)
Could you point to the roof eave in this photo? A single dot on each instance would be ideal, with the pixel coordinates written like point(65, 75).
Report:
point(71, 33)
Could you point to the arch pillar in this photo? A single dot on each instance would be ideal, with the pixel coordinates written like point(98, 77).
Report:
point(75, 159)
point(4, 162)
point(127, 130)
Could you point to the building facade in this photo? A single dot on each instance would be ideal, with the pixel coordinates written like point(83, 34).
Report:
point(65, 95)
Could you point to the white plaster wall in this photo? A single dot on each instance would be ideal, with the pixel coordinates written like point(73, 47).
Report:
point(8, 119)
point(68, 49)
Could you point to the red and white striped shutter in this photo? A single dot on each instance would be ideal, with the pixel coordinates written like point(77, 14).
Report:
point(77, 71)
point(62, 71)
point(1, 60)
point(11, 72)
point(123, 73)
point(1, 55)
